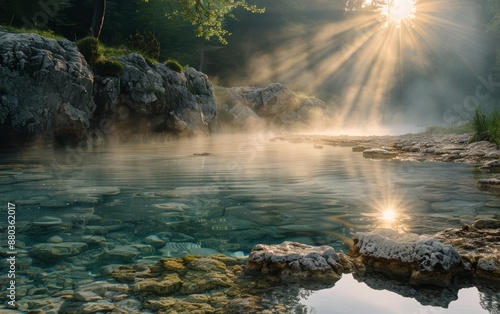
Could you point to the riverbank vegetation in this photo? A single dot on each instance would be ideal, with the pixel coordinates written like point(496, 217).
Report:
point(485, 126)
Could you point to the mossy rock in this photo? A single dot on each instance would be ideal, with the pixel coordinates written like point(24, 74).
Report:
point(91, 50)
point(108, 67)
point(174, 65)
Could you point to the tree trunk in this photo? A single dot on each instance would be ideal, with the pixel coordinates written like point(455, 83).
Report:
point(98, 18)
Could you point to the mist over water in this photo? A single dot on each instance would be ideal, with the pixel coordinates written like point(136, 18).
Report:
point(374, 74)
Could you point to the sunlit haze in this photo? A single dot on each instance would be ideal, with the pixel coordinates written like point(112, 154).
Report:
point(377, 63)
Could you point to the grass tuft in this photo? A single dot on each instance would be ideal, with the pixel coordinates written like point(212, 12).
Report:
point(485, 127)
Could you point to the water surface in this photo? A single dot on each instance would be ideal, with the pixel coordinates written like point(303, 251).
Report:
point(227, 193)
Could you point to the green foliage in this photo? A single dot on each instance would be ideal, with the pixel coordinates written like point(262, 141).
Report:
point(120, 51)
point(208, 16)
point(174, 65)
point(146, 43)
point(44, 33)
point(485, 127)
point(108, 67)
point(150, 61)
point(91, 49)
point(94, 52)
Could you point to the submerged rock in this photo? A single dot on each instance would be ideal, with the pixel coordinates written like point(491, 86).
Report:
point(167, 285)
point(379, 153)
point(491, 166)
point(121, 253)
point(492, 183)
point(54, 251)
point(47, 221)
point(417, 259)
point(293, 261)
point(360, 148)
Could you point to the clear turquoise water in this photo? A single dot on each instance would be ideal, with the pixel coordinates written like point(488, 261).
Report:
point(247, 191)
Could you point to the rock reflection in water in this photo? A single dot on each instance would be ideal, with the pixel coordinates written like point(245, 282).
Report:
point(378, 294)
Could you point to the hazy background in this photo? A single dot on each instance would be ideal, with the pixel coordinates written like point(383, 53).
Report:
point(413, 76)
point(296, 42)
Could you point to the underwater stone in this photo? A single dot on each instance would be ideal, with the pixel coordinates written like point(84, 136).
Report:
point(203, 281)
point(487, 224)
point(108, 269)
point(197, 298)
point(96, 307)
point(101, 287)
point(491, 166)
point(207, 265)
point(122, 253)
point(144, 248)
point(173, 264)
point(250, 304)
point(111, 224)
point(93, 239)
point(180, 249)
point(86, 296)
point(154, 241)
point(95, 190)
point(160, 304)
point(360, 148)
point(492, 183)
point(293, 261)
point(47, 221)
point(54, 204)
point(52, 251)
point(378, 153)
point(130, 273)
point(169, 284)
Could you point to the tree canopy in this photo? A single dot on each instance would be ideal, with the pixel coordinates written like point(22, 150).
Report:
point(208, 16)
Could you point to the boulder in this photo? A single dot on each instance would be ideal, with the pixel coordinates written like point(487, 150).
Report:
point(153, 98)
point(46, 90)
point(410, 257)
point(245, 118)
point(292, 261)
point(277, 106)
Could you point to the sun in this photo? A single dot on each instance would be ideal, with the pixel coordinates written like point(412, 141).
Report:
point(388, 215)
point(399, 11)
point(394, 12)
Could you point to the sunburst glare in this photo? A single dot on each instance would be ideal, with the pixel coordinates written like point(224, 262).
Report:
point(399, 11)
point(369, 63)
point(389, 215)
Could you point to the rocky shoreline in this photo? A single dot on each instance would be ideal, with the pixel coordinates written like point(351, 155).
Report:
point(431, 269)
point(420, 147)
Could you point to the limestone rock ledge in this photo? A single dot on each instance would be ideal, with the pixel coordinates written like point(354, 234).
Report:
point(409, 257)
point(292, 262)
point(479, 247)
point(48, 92)
point(45, 89)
